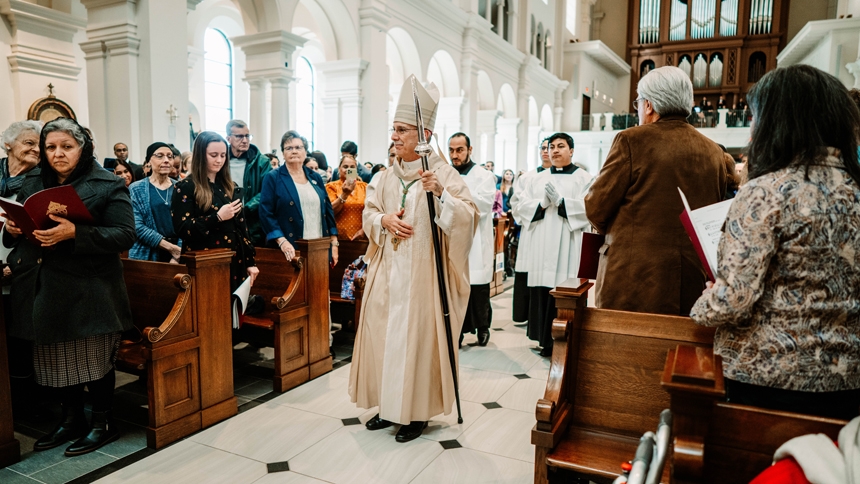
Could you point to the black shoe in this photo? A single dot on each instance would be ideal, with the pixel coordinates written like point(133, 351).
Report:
point(72, 426)
point(377, 423)
point(410, 432)
point(103, 432)
point(546, 352)
point(483, 336)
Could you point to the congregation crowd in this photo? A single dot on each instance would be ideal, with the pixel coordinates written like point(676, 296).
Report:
point(785, 299)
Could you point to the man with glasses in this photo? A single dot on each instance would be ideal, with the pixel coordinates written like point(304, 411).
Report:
point(248, 165)
point(634, 201)
point(400, 361)
point(520, 306)
point(120, 150)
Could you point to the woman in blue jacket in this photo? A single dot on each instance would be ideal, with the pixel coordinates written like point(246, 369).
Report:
point(294, 203)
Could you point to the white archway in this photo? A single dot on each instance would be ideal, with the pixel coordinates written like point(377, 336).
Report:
point(533, 134)
point(507, 101)
point(442, 71)
point(402, 58)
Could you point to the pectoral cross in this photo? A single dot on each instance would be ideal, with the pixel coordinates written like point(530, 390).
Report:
point(396, 241)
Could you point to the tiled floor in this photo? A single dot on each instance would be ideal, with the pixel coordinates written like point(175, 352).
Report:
point(313, 434)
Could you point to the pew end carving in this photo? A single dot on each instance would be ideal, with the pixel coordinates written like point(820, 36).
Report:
point(183, 346)
point(603, 390)
point(295, 320)
point(710, 432)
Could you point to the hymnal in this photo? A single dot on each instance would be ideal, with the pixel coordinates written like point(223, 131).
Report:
point(589, 256)
point(704, 226)
point(35, 213)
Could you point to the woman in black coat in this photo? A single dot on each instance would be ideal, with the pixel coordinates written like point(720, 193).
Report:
point(68, 293)
point(207, 208)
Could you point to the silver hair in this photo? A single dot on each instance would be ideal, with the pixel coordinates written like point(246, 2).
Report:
point(669, 89)
point(69, 127)
point(16, 129)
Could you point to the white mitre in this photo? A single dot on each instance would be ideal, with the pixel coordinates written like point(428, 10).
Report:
point(429, 99)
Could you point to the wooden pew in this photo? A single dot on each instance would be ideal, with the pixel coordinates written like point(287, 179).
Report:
point(500, 243)
point(348, 252)
point(296, 317)
point(10, 448)
point(184, 348)
point(603, 390)
point(717, 441)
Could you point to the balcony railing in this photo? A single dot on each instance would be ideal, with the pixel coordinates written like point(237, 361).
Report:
point(734, 118)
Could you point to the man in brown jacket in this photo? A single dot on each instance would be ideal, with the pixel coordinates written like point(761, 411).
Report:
point(648, 263)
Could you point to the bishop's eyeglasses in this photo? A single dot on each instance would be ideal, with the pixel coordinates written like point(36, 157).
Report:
point(401, 131)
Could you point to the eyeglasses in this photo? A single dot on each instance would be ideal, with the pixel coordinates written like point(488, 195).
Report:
point(291, 148)
point(243, 136)
point(161, 156)
point(544, 148)
point(400, 131)
point(636, 103)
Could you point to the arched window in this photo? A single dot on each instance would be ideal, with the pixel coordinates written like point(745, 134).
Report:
point(305, 119)
point(218, 80)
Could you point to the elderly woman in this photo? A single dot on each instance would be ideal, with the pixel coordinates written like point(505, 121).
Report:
point(125, 171)
point(785, 302)
point(635, 202)
point(207, 208)
point(347, 201)
point(151, 197)
point(68, 294)
point(294, 203)
point(21, 144)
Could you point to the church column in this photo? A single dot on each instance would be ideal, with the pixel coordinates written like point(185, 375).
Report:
point(500, 19)
point(486, 130)
point(269, 57)
point(280, 121)
point(163, 72)
point(372, 104)
point(258, 123)
point(595, 121)
point(558, 109)
point(112, 50)
point(525, 140)
point(469, 75)
point(343, 102)
point(508, 143)
point(488, 11)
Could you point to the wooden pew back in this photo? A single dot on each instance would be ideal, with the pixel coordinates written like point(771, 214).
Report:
point(296, 317)
point(717, 441)
point(603, 390)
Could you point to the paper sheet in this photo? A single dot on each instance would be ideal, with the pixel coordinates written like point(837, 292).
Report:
point(240, 301)
point(707, 222)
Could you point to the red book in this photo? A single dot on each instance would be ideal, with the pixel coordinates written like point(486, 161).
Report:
point(704, 227)
point(589, 255)
point(35, 213)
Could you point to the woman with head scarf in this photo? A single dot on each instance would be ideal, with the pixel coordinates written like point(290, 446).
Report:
point(150, 197)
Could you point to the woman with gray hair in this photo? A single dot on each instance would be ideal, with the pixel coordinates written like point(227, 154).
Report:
point(635, 202)
point(68, 298)
point(21, 144)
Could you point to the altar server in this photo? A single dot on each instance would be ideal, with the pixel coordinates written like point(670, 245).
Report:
point(552, 212)
point(482, 186)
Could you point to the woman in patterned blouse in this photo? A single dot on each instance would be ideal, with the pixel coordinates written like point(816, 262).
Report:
point(786, 302)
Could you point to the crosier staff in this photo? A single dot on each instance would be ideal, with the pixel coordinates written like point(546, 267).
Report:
point(423, 150)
